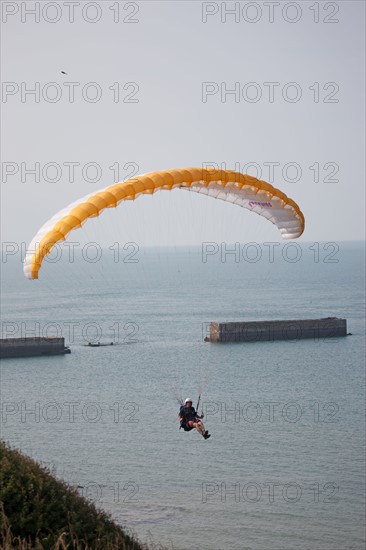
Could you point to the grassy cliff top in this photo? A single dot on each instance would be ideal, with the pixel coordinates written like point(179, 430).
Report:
point(41, 512)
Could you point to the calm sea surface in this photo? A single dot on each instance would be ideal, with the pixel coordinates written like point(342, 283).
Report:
point(284, 467)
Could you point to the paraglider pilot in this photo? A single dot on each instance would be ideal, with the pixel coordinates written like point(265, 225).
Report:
point(189, 419)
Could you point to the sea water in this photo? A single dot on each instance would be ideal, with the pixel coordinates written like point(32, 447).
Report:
point(284, 467)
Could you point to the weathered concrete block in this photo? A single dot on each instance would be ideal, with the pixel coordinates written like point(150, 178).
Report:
point(27, 347)
point(254, 331)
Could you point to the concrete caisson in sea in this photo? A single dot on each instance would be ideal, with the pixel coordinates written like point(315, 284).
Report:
point(28, 347)
point(261, 331)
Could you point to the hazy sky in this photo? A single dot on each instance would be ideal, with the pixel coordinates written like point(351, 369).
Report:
point(298, 76)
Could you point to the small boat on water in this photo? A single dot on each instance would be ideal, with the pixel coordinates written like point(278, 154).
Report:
point(97, 344)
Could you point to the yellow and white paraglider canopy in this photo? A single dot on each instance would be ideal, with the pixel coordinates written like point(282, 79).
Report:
point(241, 189)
